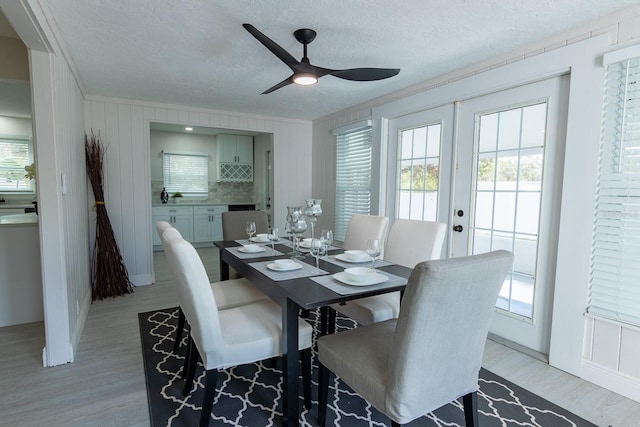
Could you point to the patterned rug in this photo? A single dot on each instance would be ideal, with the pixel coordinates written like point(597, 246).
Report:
point(250, 395)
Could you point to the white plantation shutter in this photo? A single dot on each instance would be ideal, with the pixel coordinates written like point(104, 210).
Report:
point(614, 288)
point(15, 154)
point(353, 174)
point(186, 172)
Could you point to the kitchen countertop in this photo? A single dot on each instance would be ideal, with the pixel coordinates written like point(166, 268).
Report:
point(19, 219)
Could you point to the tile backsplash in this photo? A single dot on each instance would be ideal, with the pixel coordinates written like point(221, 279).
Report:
point(219, 192)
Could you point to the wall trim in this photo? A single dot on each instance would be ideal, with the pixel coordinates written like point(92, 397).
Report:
point(617, 382)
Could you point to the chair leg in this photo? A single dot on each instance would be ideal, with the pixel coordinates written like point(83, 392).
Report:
point(306, 376)
point(187, 357)
point(323, 393)
point(192, 363)
point(470, 404)
point(394, 424)
point(209, 394)
point(176, 344)
point(331, 322)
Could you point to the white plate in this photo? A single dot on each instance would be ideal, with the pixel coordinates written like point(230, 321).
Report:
point(251, 251)
point(276, 267)
point(374, 280)
point(260, 239)
point(305, 245)
point(347, 258)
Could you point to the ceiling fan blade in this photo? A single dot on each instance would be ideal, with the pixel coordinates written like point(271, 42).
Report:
point(274, 47)
point(282, 84)
point(365, 74)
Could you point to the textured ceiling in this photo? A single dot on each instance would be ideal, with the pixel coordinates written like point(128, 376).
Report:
point(196, 53)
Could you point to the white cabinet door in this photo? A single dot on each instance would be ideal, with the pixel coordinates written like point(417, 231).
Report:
point(207, 225)
point(184, 224)
point(244, 149)
point(226, 150)
point(202, 228)
point(180, 217)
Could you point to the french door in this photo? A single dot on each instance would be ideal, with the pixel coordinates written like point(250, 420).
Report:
point(499, 188)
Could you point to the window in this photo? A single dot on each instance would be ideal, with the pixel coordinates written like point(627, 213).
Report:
point(353, 174)
point(186, 172)
point(614, 280)
point(419, 172)
point(15, 154)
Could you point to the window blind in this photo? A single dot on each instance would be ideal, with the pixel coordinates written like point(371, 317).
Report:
point(353, 176)
point(185, 172)
point(15, 154)
point(614, 282)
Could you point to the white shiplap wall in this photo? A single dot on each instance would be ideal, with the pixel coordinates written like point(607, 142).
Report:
point(124, 129)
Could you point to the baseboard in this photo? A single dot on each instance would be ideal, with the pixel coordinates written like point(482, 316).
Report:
point(519, 347)
point(142, 279)
point(614, 381)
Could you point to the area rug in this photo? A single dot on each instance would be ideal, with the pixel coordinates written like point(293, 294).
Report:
point(250, 395)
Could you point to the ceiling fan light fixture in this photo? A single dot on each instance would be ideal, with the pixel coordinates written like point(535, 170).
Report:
point(305, 79)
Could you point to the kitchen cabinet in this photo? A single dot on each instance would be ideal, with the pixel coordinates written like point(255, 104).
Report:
point(181, 218)
point(235, 158)
point(207, 223)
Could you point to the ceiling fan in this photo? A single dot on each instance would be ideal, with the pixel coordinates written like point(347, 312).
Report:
point(304, 73)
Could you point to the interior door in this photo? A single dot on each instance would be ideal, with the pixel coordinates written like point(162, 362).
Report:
point(507, 189)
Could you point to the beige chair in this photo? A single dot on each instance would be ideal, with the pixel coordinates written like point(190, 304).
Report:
point(226, 338)
point(409, 242)
point(431, 354)
point(234, 224)
point(362, 228)
point(228, 293)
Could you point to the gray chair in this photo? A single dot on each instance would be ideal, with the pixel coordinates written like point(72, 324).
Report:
point(409, 242)
point(431, 354)
point(225, 338)
point(234, 223)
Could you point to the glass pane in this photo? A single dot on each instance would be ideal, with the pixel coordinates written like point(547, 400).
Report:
point(484, 209)
point(502, 241)
point(417, 202)
point(433, 175)
point(503, 216)
point(404, 204)
point(504, 297)
point(406, 142)
point(507, 171)
point(534, 122)
point(486, 171)
point(522, 295)
point(430, 206)
point(434, 137)
point(531, 169)
point(419, 142)
point(488, 134)
point(525, 254)
point(509, 129)
point(481, 242)
point(528, 213)
point(406, 174)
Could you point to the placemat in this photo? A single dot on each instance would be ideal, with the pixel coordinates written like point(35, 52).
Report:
point(343, 289)
point(307, 270)
point(268, 252)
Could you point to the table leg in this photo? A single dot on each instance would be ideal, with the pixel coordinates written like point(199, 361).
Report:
point(290, 372)
point(224, 269)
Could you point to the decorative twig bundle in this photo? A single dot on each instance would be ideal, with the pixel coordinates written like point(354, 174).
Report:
point(109, 274)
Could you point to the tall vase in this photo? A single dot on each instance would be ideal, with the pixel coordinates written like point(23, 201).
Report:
point(313, 211)
point(297, 225)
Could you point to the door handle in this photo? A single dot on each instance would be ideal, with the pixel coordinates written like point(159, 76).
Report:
point(458, 228)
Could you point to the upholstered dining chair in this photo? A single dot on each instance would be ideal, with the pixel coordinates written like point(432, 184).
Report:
point(431, 354)
point(409, 242)
point(228, 293)
point(234, 223)
point(362, 228)
point(230, 337)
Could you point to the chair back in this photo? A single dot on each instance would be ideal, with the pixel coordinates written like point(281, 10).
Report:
point(441, 331)
point(411, 241)
point(196, 298)
point(161, 226)
point(364, 227)
point(234, 223)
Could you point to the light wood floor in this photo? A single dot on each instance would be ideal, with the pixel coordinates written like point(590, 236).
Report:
point(105, 386)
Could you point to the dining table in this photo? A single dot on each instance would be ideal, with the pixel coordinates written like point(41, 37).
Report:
point(305, 288)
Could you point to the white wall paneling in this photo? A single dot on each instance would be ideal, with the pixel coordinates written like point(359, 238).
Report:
point(124, 127)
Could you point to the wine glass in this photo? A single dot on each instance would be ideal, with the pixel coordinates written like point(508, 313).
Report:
point(316, 248)
point(327, 239)
point(273, 236)
point(251, 229)
point(373, 250)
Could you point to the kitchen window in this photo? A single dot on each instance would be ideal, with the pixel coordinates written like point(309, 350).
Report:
point(186, 172)
point(15, 154)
